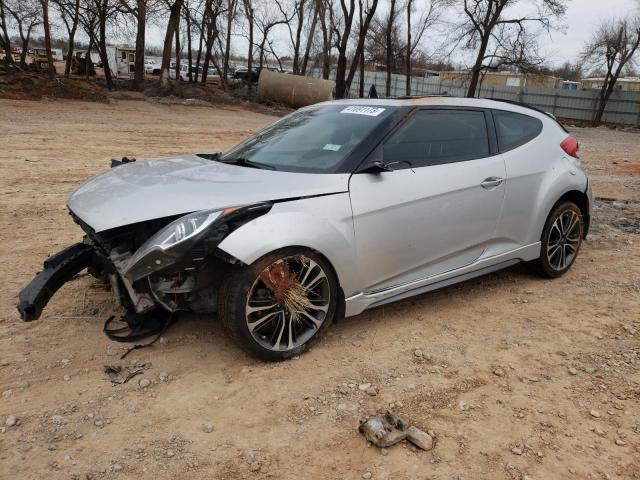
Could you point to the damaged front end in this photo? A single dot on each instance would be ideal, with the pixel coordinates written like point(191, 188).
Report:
point(172, 262)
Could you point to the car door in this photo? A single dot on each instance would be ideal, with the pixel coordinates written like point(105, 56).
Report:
point(438, 208)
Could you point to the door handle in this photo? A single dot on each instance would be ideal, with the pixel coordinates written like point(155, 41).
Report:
point(491, 182)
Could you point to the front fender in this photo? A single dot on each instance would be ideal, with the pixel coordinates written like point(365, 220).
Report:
point(322, 223)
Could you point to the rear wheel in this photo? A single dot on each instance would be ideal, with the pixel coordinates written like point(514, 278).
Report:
point(561, 240)
point(280, 304)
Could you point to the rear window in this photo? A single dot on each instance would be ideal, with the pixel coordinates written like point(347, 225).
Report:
point(433, 137)
point(515, 129)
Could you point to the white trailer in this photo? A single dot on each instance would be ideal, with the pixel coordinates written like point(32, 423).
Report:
point(57, 54)
point(122, 60)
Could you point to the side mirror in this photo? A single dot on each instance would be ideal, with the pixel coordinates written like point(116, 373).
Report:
point(377, 167)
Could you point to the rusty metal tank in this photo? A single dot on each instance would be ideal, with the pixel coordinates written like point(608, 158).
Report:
point(294, 90)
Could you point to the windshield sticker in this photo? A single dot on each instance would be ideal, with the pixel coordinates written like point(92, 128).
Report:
point(332, 147)
point(362, 110)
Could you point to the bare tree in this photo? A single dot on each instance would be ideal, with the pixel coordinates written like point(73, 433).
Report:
point(341, 27)
point(266, 18)
point(366, 10)
point(70, 13)
point(499, 36)
point(612, 49)
point(249, 14)
point(189, 20)
point(231, 9)
point(310, 37)
point(324, 6)
point(44, 4)
point(178, 49)
point(295, 38)
point(201, 29)
point(5, 41)
point(172, 24)
point(388, 35)
point(430, 15)
point(137, 9)
point(26, 16)
point(95, 16)
point(213, 11)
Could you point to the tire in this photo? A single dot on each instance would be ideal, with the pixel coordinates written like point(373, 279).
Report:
point(260, 317)
point(561, 240)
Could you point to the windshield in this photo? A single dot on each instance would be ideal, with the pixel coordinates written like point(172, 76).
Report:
point(315, 139)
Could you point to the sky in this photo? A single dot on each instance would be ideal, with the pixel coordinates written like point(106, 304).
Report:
point(581, 19)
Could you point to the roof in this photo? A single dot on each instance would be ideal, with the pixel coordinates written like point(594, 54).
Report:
point(623, 79)
point(445, 101)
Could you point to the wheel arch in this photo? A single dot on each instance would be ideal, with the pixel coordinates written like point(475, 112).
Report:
point(582, 201)
point(274, 231)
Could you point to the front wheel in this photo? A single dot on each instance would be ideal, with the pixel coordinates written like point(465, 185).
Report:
point(280, 304)
point(561, 240)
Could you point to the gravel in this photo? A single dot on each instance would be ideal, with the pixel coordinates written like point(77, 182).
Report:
point(207, 427)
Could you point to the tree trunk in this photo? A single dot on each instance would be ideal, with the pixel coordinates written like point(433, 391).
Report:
point(88, 64)
point(326, 41)
point(5, 41)
point(296, 46)
point(342, 86)
point(208, 45)
point(168, 40)
point(261, 51)
point(392, 12)
point(307, 50)
point(199, 72)
point(249, 12)
point(47, 37)
point(72, 36)
point(189, 54)
point(362, 35)
point(102, 45)
point(25, 48)
point(408, 72)
point(178, 79)
point(141, 23)
point(361, 92)
point(231, 11)
point(477, 67)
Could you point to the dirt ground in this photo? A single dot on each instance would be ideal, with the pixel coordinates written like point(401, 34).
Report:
point(518, 377)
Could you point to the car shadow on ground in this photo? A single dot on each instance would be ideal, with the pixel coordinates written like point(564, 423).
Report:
point(204, 332)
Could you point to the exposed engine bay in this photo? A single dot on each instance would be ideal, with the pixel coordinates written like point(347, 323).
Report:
point(171, 263)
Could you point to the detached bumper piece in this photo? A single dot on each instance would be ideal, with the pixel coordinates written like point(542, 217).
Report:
point(58, 269)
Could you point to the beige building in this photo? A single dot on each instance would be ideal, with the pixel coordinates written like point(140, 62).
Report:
point(502, 79)
point(628, 84)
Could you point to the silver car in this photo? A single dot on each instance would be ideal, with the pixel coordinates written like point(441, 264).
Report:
point(335, 208)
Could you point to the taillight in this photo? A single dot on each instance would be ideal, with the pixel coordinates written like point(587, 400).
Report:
point(570, 146)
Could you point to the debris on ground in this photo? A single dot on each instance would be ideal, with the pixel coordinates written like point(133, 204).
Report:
point(118, 375)
point(116, 163)
point(386, 430)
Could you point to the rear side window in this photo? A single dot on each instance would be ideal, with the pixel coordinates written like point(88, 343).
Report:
point(515, 129)
point(432, 137)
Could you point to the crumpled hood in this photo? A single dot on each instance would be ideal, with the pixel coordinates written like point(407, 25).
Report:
point(140, 191)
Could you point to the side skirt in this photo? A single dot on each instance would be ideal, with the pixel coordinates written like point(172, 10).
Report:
point(356, 304)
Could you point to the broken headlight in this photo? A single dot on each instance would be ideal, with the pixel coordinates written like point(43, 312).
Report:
point(202, 230)
point(166, 246)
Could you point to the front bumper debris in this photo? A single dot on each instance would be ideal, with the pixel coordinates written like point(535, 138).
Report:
point(58, 269)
